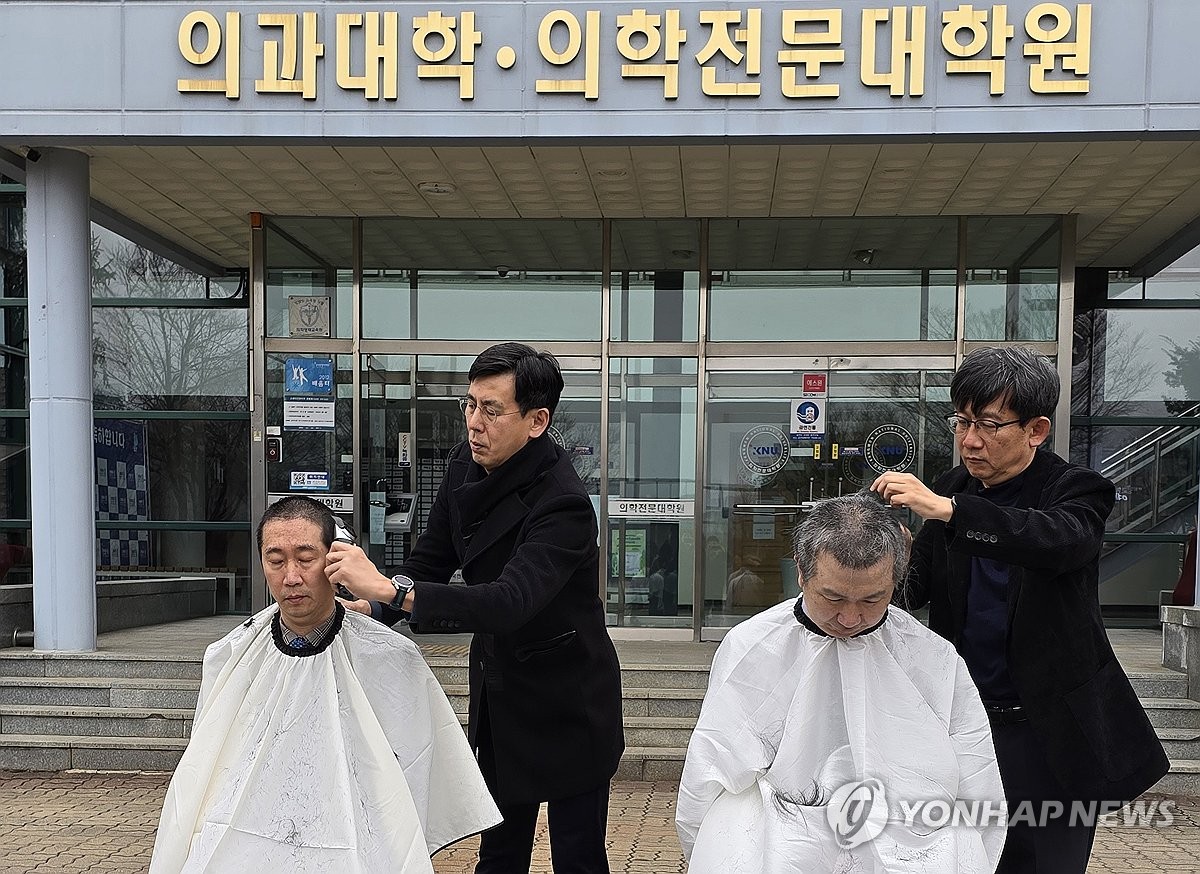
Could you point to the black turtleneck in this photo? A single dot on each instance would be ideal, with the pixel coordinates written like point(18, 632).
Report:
point(816, 629)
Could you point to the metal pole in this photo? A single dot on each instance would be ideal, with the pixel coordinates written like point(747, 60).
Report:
point(61, 449)
point(1196, 596)
point(259, 596)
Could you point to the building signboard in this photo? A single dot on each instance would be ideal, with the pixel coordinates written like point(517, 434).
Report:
point(337, 69)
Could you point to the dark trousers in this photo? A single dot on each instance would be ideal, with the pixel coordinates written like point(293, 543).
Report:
point(578, 826)
point(1055, 847)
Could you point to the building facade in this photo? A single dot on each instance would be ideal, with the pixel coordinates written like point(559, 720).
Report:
point(759, 240)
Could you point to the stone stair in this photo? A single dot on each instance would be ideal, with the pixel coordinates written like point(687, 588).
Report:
point(98, 712)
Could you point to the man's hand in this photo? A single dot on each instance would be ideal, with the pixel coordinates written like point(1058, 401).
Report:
point(905, 490)
point(359, 606)
point(349, 566)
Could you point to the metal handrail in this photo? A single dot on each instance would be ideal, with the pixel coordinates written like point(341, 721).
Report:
point(1147, 438)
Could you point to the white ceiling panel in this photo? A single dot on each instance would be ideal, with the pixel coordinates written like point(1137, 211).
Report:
point(1130, 196)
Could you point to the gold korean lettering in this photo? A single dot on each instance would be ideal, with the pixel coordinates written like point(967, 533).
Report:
point(229, 86)
point(638, 25)
point(443, 26)
point(975, 23)
point(379, 53)
point(794, 34)
point(300, 53)
point(586, 38)
point(907, 46)
point(1048, 48)
point(720, 41)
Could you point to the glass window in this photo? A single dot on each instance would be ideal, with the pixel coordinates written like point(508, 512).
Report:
point(310, 277)
point(479, 279)
point(166, 358)
point(531, 305)
point(12, 243)
point(1154, 469)
point(655, 284)
point(126, 553)
point(121, 268)
point(652, 491)
point(832, 279)
point(1012, 278)
point(172, 470)
point(16, 556)
point(14, 468)
point(1137, 363)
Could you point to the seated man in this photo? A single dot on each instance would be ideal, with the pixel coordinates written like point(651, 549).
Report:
point(322, 741)
point(835, 733)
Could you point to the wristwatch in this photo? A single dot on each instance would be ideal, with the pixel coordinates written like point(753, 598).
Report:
point(403, 585)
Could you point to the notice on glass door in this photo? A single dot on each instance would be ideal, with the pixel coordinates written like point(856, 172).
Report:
point(305, 414)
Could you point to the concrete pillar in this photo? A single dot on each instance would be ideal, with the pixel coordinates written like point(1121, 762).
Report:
point(60, 401)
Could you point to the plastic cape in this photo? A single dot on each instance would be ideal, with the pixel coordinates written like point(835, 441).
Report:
point(792, 717)
point(350, 761)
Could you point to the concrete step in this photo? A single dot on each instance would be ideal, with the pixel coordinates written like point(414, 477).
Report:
point(1172, 712)
point(63, 752)
point(452, 671)
point(99, 692)
point(133, 722)
point(656, 732)
point(678, 703)
point(651, 764)
point(664, 676)
point(1182, 779)
point(23, 663)
point(1180, 743)
point(1160, 684)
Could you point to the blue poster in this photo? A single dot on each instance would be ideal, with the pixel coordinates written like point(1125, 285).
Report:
point(122, 492)
point(308, 376)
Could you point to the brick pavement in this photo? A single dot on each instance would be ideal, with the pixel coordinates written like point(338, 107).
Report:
point(76, 822)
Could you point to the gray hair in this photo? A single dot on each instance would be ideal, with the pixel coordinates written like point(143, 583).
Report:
point(857, 531)
point(1015, 375)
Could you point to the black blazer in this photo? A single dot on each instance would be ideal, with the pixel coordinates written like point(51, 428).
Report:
point(525, 537)
point(1081, 706)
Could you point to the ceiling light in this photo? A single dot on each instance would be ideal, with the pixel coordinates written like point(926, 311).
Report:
point(683, 253)
point(863, 256)
point(612, 173)
point(437, 188)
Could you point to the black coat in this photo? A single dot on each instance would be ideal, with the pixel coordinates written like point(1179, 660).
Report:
point(1081, 706)
point(525, 537)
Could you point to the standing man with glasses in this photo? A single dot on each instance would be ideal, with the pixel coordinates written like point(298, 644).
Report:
point(545, 710)
point(1008, 562)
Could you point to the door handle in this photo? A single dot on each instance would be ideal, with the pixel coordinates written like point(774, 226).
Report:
point(773, 509)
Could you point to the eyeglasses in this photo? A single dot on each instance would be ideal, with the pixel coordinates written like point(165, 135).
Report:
point(985, 428)
point(490, 414)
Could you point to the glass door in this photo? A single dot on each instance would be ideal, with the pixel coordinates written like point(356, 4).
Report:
point(309, 424)
point(779, 439)
point(388, 457)
point(411, 423)
point(652, 491)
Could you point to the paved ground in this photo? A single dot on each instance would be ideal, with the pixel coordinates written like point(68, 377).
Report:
point(78, 822)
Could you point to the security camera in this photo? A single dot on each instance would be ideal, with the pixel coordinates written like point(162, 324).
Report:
point(501, 271)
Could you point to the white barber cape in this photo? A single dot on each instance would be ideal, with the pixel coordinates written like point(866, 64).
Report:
point(791, 717)
point(349, 760)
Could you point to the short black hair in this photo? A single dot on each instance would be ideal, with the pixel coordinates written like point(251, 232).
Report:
point(298, 507)
point(539, 381)
point(1017, 376)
